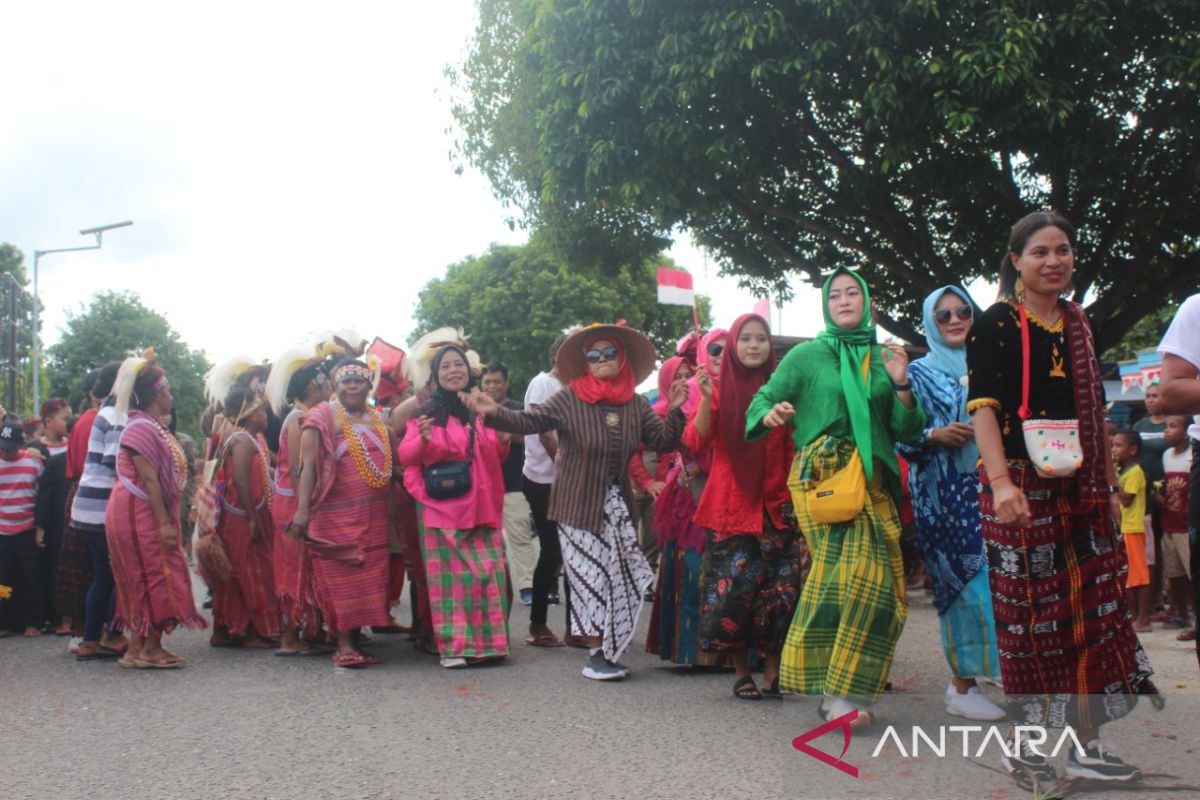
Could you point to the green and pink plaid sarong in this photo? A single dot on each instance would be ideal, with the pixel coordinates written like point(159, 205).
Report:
point(467, 596)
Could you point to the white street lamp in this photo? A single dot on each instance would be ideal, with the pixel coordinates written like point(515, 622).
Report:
point(37, 334)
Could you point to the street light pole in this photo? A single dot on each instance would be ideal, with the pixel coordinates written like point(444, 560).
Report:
point(37, 334)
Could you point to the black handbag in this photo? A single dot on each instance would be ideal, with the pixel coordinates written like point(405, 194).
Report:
point(450, 479)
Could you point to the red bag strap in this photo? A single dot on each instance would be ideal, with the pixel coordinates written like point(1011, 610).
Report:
point(1023, 412)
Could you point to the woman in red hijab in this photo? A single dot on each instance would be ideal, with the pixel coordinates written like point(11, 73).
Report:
point(600, 421)
point(754, 559)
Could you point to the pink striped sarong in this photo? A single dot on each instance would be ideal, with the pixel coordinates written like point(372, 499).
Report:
point(348, 512)
point(248, 598)
point(154, 587)
point(291, 563)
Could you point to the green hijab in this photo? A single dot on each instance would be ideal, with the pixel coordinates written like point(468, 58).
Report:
point(852, 346)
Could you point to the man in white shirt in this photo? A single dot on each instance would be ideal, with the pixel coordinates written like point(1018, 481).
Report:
point(1180, 349)
point(538, 473)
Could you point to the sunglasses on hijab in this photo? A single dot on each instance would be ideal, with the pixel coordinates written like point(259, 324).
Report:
point(943, 315)
point(607, 354)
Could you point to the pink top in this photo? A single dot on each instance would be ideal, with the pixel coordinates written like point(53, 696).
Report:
point(484, 504)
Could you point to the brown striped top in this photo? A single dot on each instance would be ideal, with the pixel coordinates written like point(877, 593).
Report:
point(595, 442)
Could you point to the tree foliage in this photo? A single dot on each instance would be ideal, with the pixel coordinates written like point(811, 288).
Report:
point(1146, 334)
point(12, 262)
point(115, 326)
point(514, 300)
point(906, 135)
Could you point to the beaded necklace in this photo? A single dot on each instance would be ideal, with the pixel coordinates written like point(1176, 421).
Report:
point(261, 442)
point(177, 454)
point(364, 465)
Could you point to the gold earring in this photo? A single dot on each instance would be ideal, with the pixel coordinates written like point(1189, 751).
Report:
point(1019, 290)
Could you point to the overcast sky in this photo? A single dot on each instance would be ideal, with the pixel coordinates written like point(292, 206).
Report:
point(286, 165)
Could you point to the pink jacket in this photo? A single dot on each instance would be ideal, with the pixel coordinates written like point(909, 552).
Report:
point(484, 504)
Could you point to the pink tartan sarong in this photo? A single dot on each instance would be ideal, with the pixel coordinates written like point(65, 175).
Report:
point(249, 597)
point(154, 587)
point(467, 591)
point(291, 563)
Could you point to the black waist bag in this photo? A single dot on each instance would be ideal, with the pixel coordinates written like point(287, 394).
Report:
point(450, 479)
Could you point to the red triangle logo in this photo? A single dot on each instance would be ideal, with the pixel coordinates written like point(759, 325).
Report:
point(801, 743)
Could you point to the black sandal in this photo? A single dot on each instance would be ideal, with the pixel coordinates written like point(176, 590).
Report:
point(772, 692)
point(745, 689)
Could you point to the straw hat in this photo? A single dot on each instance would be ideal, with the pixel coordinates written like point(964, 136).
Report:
point(572, 363)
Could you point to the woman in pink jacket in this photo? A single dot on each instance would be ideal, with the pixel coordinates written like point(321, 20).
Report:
point(452, 468)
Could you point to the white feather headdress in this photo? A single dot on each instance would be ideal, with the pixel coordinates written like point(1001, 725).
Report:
point(420, 360)
point(220, 379)
point(282, 371)
point(127, 376)
point(343, 342)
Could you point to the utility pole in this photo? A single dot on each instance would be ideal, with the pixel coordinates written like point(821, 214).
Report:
point(98, 232)
point(11, 398)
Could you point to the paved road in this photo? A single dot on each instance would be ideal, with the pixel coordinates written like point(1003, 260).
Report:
point(241, 724)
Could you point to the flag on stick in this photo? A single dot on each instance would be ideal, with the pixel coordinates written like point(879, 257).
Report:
point(675, 287)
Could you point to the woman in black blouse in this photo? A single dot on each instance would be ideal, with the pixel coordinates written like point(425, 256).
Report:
point(1068, 653)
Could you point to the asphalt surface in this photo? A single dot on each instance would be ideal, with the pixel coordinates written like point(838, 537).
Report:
point(245, 724)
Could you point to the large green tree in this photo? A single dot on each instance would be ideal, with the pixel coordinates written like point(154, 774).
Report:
point(514, 300)
point(906, 135)
point(117, 325)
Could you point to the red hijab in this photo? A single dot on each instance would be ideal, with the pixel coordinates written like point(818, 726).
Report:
point(666, 376)
point(614, 391)
point(736, 388)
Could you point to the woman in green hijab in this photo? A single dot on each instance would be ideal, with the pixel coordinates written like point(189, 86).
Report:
point(855, 403)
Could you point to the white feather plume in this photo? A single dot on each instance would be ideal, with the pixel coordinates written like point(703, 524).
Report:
point(220, 379)
point(420, 358)
point(123, 386)
point(341, 342)
point(282, 371)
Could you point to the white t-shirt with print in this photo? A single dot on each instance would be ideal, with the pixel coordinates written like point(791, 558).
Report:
point(1182, 340)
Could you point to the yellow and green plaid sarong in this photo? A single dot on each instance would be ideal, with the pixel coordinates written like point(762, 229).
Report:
point(851, 610)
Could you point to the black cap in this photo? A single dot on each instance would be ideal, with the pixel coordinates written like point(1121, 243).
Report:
point(12, 434)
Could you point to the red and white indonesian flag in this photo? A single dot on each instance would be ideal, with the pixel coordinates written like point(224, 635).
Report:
point(675, 287)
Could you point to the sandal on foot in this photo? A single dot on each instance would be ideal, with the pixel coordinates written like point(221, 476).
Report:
point(544, 640)
point(771, 692)
point(575, 640)
point(307, 651)
point(349, 660)
point(745, 689)
point(1187, 636)
point(173, 663)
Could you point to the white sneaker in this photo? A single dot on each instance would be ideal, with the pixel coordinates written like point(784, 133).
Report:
point(972, 705)
point(834, 707)
point(73, 645)
point(454, 662)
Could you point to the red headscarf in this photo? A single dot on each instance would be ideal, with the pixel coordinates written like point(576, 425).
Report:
point(736, 388)
point(614, 391)
point(666, 376)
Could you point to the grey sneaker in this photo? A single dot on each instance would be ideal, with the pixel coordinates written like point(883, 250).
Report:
point(1026, 767)
point(1100, 765)
point(598, 668)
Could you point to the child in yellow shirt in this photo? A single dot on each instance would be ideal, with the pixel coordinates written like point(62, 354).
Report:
point(1131, 484)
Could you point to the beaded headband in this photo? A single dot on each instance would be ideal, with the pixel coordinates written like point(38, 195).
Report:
point(348, 371)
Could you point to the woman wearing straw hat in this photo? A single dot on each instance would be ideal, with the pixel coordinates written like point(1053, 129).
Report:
point(600, 421)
